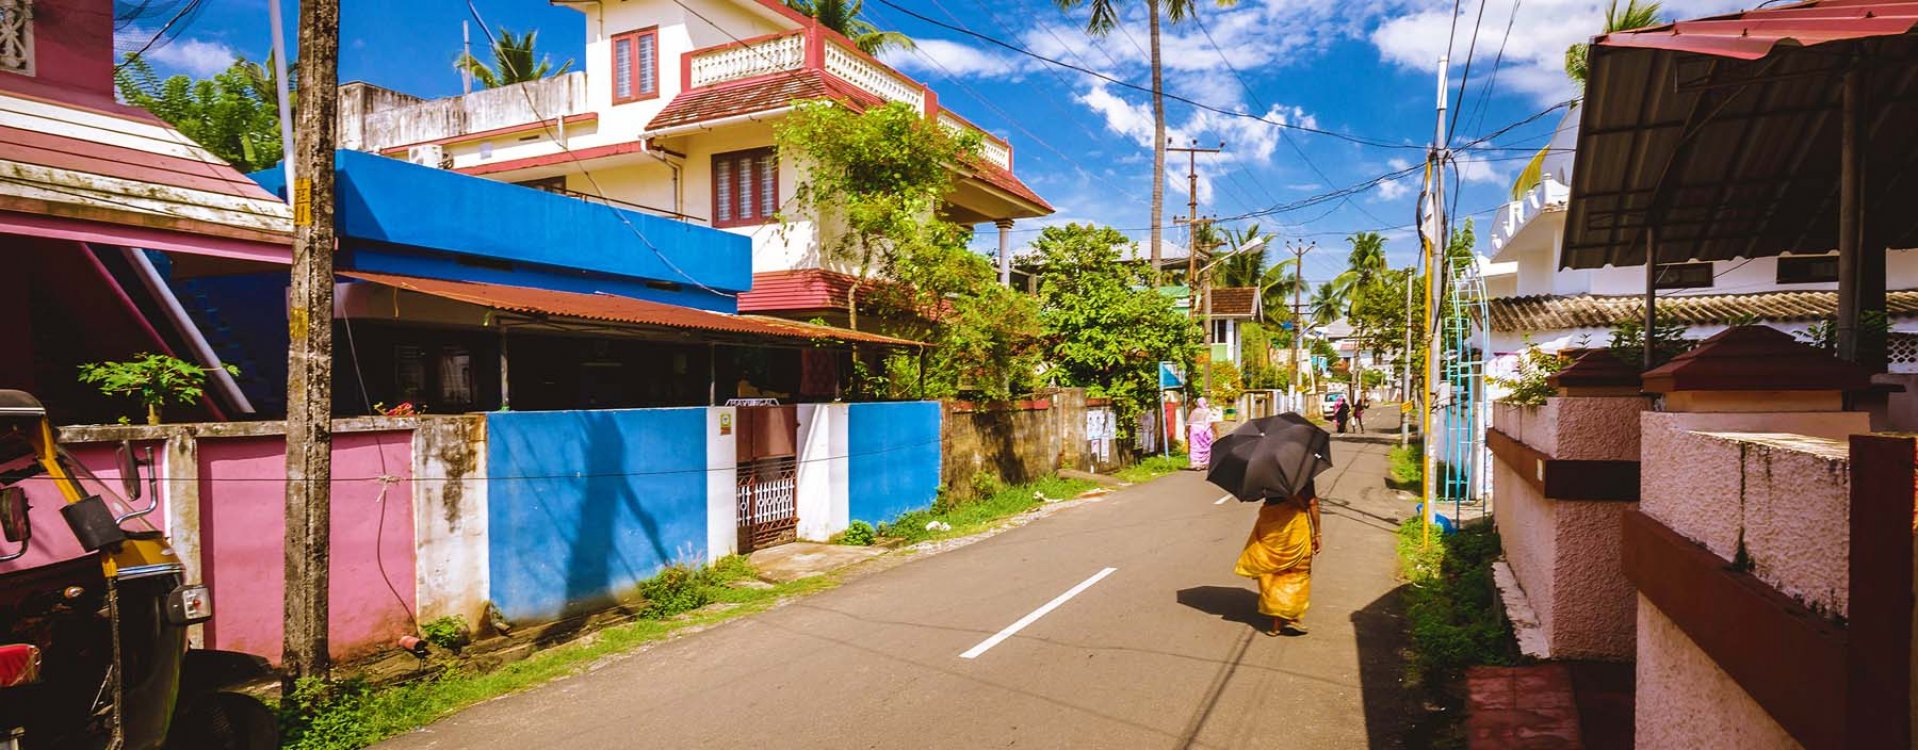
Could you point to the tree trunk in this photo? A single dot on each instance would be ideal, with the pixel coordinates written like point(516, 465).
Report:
point(1158, 142)
point(153, 413)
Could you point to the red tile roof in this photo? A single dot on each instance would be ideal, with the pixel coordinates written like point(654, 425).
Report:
point(1550, 313)
point(1235, 302)
point(758, 94)
point(803, 289)
point(617, 309)
point(993, 175)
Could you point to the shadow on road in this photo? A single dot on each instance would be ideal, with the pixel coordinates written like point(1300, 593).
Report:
point(1228, 603)
point(1380, 629)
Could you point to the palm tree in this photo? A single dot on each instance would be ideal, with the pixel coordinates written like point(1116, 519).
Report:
point(1105, 18)
point(512, 62)
point(1364, 267)
point(1632, 16)
point(843, 16)
point(264, 81)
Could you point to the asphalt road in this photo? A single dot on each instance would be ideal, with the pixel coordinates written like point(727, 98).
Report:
point(1162, 652)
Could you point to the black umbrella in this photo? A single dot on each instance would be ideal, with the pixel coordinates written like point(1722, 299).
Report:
point(1270, 457)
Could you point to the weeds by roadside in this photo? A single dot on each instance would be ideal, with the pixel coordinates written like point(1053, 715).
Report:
point(351, 714)
point(1150, 468)
point(1454, 617)
point(961, 518)
point(1407, 471)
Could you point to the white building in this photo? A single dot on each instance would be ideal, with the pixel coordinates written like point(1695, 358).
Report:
point(1533, 297)
point(673, 114)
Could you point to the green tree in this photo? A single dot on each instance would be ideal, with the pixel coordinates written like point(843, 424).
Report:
point(1105, 18)
point(1633, 16)
point(226, 114)
point(154, 379)
point(513, 62)
point(843, 16)
point(1103, 326)
point(883, 173)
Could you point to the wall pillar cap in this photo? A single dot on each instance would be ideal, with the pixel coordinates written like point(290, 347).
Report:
point(1756, 358)
point(1596, 372)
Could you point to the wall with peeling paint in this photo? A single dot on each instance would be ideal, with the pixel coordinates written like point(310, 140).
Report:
point(893, 458)
point(450, 518)
point(583, 505)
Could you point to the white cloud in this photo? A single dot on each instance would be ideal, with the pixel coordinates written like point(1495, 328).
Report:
point(1246, 140)
point(940, 56)
point(1534, 56)
point(195, 57)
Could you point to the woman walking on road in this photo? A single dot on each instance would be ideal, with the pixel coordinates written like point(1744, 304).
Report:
point(1279, 554)
point(1198, 425)
point(1341, 413)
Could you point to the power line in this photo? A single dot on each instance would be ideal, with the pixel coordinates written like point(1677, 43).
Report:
point(190, 8)
point(1136, 87)
point(1465, 79)
point(1485, 96)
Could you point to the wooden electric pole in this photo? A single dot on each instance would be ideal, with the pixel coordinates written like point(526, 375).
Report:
point(1299, 249)
point(1194, 242)
point(309, 386)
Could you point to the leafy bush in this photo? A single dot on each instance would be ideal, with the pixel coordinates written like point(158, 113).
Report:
point(450, 632)
point(155, 379)
point(1531, 387)
point(1668, 341)
point(1452, 606)
point(986, 483)
point(678, 588)
point(859, 534)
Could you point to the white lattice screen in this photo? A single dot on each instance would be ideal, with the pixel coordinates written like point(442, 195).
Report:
point(1901, 352)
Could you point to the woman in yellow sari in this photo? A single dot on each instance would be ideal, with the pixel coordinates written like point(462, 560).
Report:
point(1279, 554)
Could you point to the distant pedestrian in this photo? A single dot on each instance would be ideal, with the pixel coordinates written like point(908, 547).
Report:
point(1358, 415)
point(1198, 424)
point(1279, 554)
point(1342, 413)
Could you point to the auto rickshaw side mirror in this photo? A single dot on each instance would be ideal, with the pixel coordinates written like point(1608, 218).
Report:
point(129, 470)
point(93, 524)
point(14, 523)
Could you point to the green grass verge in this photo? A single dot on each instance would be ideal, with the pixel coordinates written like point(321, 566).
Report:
point(350, 715)
point(1453, 617)
point(1407, 470)
point(973, 516)
point(1150, 468)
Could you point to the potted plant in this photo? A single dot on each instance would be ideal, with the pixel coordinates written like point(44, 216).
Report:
point(155, 379)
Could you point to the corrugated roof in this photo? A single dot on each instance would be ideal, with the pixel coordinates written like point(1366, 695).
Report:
point(1554, 313)
point(1723, 134)
point(124, 167)
point(799, 289)
point(617, 309)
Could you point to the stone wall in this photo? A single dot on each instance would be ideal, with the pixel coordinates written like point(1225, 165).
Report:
point(1017, 442)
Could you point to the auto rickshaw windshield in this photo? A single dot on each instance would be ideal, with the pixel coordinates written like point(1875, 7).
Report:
point(20, 467)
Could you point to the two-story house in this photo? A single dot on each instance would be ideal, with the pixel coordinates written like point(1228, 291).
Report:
point(674, 115)
point(1534, 297)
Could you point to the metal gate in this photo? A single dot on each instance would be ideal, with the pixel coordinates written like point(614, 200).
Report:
point(767, 493)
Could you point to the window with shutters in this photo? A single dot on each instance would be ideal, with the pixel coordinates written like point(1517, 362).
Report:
point(636, 65)
point(745, 187)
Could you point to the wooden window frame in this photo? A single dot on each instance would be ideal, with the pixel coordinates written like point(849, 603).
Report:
point(1677, 280)
point(739, 188)
point(634, 36)
point(1805, 262)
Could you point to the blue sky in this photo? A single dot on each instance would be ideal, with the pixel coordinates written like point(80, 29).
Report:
point(1362, 68)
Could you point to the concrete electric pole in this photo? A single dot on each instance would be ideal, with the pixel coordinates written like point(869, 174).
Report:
point(309, 387)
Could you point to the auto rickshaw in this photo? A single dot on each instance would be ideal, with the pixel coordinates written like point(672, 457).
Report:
point(93, 648)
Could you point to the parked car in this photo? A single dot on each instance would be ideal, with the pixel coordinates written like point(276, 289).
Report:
point(1330, 403)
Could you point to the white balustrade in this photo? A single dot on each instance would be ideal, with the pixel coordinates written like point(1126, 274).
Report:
point(994, 152)
point(873, 78)
point(748, 60)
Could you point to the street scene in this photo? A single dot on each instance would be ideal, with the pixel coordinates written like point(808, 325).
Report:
point(905, 374)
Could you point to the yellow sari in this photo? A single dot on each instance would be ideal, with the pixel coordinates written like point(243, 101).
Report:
point(1279, 555)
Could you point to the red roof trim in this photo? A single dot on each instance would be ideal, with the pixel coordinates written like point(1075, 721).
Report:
point(1755, 34)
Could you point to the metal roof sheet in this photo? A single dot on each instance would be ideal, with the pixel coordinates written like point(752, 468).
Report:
point(616, 309)
point(1723, 134)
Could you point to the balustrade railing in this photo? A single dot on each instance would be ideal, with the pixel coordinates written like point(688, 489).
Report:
point(872, 77)
point(754, 58)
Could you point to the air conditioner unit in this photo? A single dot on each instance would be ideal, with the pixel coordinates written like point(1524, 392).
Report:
point(429, 155)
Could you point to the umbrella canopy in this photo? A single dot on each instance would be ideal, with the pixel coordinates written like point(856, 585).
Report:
point(1270, 457)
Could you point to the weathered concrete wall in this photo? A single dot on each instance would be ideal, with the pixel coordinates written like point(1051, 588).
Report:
point(1022, 442)
point(450, 517)
point(1528, 530)
point(372, 118)
point(1685, 701)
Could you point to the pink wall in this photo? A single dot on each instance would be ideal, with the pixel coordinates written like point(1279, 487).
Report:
point(243, 528)
point(73, 51)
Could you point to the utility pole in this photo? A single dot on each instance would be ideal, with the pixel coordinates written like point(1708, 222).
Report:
point(466, 53)
point(1405, 382)
point(1435, 255)
point(309, 387)
point(1193, 243)
point(1299, 249)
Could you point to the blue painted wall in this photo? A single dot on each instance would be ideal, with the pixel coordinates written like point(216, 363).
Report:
point(397, 207)
point(582, 505)
point(895, 458)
